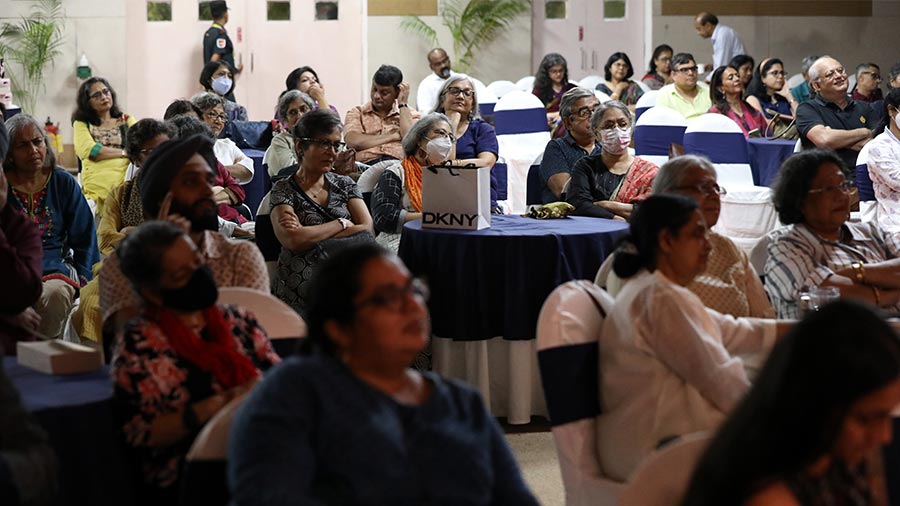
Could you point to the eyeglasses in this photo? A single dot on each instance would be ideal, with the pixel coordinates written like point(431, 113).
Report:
point(876, 76)
point(777, 73)
point(212, 116)
point(708, 189)
point(443, 133)
point(453, 90)
point(322, 143)
point(585, 112)
point(687, 70)
point(105, 92)
point(302, 110)
point(394, 298)
point(833, 73)
point(845, 187)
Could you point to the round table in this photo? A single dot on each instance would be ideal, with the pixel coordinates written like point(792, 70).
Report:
point(487, 289)
point(766, 157)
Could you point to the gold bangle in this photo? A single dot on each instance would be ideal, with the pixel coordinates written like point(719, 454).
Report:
point(877, 295)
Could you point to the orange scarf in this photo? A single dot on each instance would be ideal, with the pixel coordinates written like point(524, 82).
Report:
point(412, 178)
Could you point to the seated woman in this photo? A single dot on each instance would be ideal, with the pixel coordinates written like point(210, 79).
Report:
point(607, 185)
point(618, 84)
point(213, 114)
point(100, 129)
point(182, 359)
point(808, 429)
point(314, 206)
point(50, 197)
point(398, 195)
point(745, 66)
point(766, 92)
point(306, 80)
point(725, 92)
point(296, 442)
point(561, 154)
point(551, 82)
point(218, 77)
point(819, 246)
point(292, 105)
point(476, 140)
point(659, 72)
point(884, 164)
point(182, 107)
point(668, 365)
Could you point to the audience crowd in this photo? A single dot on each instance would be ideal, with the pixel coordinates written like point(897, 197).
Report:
point(130, 257)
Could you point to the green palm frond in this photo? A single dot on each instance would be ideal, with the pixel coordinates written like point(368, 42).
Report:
point(416, 26)
point(31, 44)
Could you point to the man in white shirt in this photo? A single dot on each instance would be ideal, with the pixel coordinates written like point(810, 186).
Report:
point(726, 42)
point(426, 97)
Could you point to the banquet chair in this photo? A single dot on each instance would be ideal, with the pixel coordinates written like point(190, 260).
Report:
point(759, 255)
point(526, 83)
point(568, 330)
point(602, 97)
point(647, 100)
point(656, 130)
point(643, 86)
point(520, 120)
point(794, 81)
point(487, 100)
point(266, 241)
point(533, 192)
point(282, 324)
point(502, 87)
point(867, 205)
point(662, 478)
point(205, 480)
point(590, 82)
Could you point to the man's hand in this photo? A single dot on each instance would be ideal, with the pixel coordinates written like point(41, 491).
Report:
point(403, 94)
point(178, 220)
point(345, 162)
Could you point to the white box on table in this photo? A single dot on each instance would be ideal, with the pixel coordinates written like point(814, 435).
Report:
point(59, 357)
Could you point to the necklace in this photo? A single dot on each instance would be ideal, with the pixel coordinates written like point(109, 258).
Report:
point(314, 194)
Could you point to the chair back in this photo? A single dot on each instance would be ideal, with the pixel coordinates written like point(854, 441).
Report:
point(602, 97)
point(794, 81)
point(720, 139)
point(501, 88)
point(526, 83)
point(266, 241)
point(533, 193)
point(663, 477)
point(863, 180)
point(276, 317)
point(568, 333)
point(655, 131)
point(647, 100)
point(590, 82)
point(487, 100)
point(520, 120)
point(759, 255)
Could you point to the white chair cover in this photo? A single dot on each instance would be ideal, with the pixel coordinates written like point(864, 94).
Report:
point(602, 97)
point(567, 342)
point(655, 130)
point(647, 100)
point(590, 82)
point(720, 139)
point(760, 254)
point(279, 320)
point(520, 120)
point(486, 100)
point(369, 178)
point(212, 442)
point(643, 86)
point(526, 83)
point(501, 88)
point(794, 81)
point(663, 477)
point(747, 215)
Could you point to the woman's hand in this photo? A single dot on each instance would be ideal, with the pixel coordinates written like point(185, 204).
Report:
point(288, 219)
point(316, 91)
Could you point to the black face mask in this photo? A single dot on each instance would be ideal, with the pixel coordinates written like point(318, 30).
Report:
point(200, 292)
point(203, 214)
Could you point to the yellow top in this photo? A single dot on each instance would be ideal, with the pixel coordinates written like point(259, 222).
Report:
point(98, 177)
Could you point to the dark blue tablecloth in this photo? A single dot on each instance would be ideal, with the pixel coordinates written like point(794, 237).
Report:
point(766, 157)
point(260, 185)
point(76, 412)
point(493, 282)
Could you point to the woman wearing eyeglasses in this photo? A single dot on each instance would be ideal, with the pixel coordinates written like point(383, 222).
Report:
point(292, 105)
point(212, 112)
point(820, 247)
point(726, 92)
point(350, 422)
point(100, 129)
point(315, 212)
point(476, 140)
point(618, 84)
point(767, 93)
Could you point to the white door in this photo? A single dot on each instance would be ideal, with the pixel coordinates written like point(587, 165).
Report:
point(608, 33)
point(561, 33)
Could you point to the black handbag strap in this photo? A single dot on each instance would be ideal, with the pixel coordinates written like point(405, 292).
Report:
point(315, 205)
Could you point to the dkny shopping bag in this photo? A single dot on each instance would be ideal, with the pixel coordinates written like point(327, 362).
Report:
point(456, 197)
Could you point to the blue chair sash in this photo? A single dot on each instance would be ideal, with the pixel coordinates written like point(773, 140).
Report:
point(520, 121)
point(571, 382)
point(864, 183)
point(720, 148)
point(654, 140)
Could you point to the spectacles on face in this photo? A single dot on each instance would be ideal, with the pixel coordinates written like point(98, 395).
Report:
point(611, 123)
point(687, 70)
point(776, 73)
point(556, 71)
point(394, 298)
point(845, 187)
point(440, 132)
point(834, 74)
point(708, 189)
point(214, 116)
point(105, 92)
point(453, 90)
point(337, 147)
point(303, 109)
point(585, 112)
point(875, 75)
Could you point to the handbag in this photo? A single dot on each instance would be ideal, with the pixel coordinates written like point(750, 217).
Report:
point(251, 134)
point(333, 245)
point(781, 128)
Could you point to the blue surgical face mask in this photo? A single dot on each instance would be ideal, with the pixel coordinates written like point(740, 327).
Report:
point(221, 85)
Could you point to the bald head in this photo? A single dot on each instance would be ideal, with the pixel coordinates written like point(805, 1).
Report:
point(705, 24)
point(439, 62)
point(828, 78)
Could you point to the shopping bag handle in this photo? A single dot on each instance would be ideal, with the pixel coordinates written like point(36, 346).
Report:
point(447, 164)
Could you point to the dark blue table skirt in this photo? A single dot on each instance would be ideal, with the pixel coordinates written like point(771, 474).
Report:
point(766, 157)
point(493, 282)
point(76, 412)
point(260, 185)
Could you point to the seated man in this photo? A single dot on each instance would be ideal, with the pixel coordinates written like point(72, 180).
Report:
point(177, 180)
point(831, 120)
point(560, 155)
point(375, 128)
point(686, 96)
point(868, 82)
point(427, 94)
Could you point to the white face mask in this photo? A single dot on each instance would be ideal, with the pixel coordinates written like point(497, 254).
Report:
point(615, 140)
point(221, 85)
point(438, 149)
point(897, 119)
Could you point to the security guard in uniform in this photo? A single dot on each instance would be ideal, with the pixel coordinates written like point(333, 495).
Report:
point(216, 42)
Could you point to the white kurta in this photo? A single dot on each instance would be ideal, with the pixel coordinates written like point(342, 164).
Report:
point(668, 367)
point(227, 153)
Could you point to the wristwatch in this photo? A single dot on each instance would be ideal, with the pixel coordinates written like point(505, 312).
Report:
point(344, 223)
point(401, 106)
